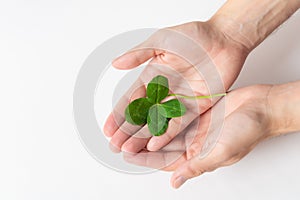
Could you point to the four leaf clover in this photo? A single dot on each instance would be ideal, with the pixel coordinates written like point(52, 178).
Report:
point(151, 111)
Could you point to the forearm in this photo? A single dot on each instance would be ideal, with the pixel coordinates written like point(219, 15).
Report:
point(249, 22)
point(284, 112)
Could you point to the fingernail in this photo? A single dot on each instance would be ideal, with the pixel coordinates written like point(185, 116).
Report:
point(179, 181)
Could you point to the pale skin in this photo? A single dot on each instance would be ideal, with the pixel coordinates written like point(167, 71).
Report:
point(252, 114)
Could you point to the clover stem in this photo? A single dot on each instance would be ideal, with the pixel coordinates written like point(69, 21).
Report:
point(198, 97)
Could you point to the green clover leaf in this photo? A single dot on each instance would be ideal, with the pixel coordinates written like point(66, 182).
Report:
point(173, 108)
point(157, 122)
point(152, 112)
point(158, 89)
point(137, 111)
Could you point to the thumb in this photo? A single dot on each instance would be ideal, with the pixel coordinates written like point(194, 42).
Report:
point(193, 168)
point(136, 56)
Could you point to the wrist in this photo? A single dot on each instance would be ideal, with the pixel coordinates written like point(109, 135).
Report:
point(230, 29)
point(249, 22)
point(284, 108)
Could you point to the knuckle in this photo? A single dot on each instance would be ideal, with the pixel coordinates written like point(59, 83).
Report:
point(195, 171)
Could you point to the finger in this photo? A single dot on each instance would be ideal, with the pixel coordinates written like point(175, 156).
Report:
point(121, 135)
point(199, 163)
point(197, 138)
point(117, 117)
point(184, 139)
point(176, 125)
point(177, 144)
point(194, 167)
point(206, 153)
point(162, 160)
point(126, 130)
point(134, 58)
point(111, 126)
point(180, 143)
point(138, 141)
point(139, 54)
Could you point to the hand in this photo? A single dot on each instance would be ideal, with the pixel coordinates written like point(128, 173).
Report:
point(247, 122)
point(225, 59)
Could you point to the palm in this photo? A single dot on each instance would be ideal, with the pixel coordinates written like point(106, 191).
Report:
point(242, 128)
point(184, 78)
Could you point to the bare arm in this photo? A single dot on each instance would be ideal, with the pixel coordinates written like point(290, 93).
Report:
point(284, 101)
point(249, 22)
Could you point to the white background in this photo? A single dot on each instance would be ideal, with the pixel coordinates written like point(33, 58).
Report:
point(43, 45)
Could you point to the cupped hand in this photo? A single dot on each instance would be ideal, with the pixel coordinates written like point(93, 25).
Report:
point(204, 55)
point(247, 122)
